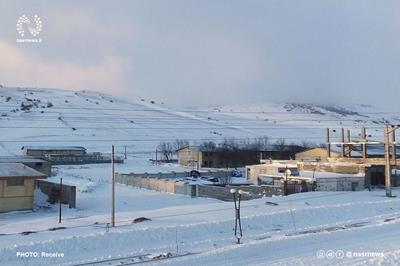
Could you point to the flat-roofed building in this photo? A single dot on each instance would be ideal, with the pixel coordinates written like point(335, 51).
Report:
point(45, 151)
point(41, 165)
point(17, 184)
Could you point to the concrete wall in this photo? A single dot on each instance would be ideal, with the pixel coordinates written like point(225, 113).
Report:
point(184, 188)
point(340, 184)
point(223, 193)
point(53, 189)
point(174, 175)
point(14, 198)
point(335, 167)
point(153, 183)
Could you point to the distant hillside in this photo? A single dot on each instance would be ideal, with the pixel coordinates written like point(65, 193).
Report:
point(31, 116)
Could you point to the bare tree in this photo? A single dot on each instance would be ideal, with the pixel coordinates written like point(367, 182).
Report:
point(167, 150)
point(180, 143)
point(230, 144)
point(208, 146)
point(307, 144)
point(259, 144)
point(280, 144)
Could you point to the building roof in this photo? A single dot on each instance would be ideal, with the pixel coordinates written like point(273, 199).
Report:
point(189, 147)
point(49, 148)
point(20, 159)
point(8, 170)
point(275, 164)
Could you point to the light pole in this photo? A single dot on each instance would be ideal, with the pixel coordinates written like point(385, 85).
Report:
point(388, 171)
point(237, 195)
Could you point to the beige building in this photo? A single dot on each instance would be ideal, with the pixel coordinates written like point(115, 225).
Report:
point(17, 184)
point(315, 154)
point(190, 156)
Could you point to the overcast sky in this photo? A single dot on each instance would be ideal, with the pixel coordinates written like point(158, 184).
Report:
point(208, 52)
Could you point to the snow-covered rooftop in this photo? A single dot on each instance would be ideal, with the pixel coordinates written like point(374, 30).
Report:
point(20, 159)
point(18, 170)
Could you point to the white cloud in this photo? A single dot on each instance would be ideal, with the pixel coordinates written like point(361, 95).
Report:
point(22, 68)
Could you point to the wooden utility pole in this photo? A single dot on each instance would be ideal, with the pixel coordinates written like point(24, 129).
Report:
point(112, 187)
point(364, 145)
point(60, 205)
point(348, 146)
point(328, 143)
point(198, 161)
point(394, 155)
point(388, 173)
point(343, 147)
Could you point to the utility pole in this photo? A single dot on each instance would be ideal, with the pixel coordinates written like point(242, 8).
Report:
point(387, 163)
point(198, 161)
point(343, 147)
point(156, 157)
point(60, 205)
point(112, 187)
point(394, 155)
point(125, 152)
point(364, 145)
point(348, 140)
point(328, 143)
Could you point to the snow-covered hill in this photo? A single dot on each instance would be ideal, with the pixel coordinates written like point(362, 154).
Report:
point(296, 228)
point(31, 116)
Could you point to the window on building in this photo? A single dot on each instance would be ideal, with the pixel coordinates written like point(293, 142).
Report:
point(15, 182)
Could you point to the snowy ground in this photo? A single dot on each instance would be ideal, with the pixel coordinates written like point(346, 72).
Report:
point(301, 229)
point(31, 116)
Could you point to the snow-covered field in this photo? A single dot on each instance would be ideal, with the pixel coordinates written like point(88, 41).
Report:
point(304, 229)
point(300, 229)
point(95, 120)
